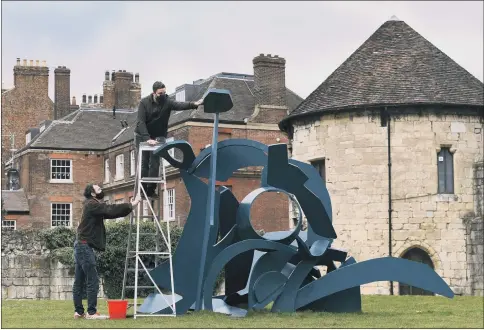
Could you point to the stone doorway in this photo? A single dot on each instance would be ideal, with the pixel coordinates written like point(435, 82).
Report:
point(418, 255)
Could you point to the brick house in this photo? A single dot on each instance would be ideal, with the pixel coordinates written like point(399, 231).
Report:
point(28, 104)
point(397, 132)
point(92, 144)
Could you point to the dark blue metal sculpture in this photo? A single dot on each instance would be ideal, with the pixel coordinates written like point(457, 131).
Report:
point(278, 267)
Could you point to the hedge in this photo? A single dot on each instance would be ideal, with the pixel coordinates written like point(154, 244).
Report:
point(110, 263)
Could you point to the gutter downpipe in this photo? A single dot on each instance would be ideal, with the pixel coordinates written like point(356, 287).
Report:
point(387, 114)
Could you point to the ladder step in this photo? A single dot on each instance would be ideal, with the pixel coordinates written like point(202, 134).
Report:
point(141, 287)
point(152, 180)
point(148, 234)
point(157, 254)
point(139, 269)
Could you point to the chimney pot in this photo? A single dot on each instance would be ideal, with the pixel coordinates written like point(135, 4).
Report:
point(95, 98)
point(31, 62)
point(106, 75)
point(73, 100)
point(268, 55)
point(18, 61)
point(276, 56)
point(101, 99)
point(84, 98)
point(261, 54)
point(136, 78)
point(89, 99)
point(59, 67)
point(37, 63)
point(25, 62)
point(44, 64)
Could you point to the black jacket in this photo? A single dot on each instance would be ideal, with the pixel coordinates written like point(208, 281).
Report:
point(153, 117)
point(91, 228)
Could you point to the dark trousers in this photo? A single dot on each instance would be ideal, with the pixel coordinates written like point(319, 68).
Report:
point(86, 276)
point(150, 165)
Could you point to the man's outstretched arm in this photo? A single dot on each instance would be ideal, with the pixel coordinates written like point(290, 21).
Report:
point(113, 211)
point(180, 106)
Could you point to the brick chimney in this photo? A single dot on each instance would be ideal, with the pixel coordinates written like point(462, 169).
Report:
point(109, 96)
point(270, 89)
point(33, 78)
point(62, 93)
point(135, 92)
point(270, 79)
point(122, 86)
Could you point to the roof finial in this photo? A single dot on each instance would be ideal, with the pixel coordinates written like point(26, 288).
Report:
point(394, 18)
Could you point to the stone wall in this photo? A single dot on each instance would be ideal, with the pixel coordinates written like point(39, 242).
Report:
point(479, 188)
point(475, 256)
point(354, 146)
point(28, 271)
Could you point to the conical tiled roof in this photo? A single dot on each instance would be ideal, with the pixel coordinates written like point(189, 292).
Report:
point(395, 66)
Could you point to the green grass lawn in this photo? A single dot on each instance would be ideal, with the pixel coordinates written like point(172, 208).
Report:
point(378, 312)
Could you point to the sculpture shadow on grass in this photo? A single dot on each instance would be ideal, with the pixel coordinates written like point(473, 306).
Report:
point(278, 267)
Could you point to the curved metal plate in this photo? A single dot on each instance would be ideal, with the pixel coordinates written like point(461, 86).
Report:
point(228, 254)
point(380, 269)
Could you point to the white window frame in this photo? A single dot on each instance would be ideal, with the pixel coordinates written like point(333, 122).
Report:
point(4, 224)
point(51, 214)
point(132, 163)
point(171, 152)
point(119, 167)
point(180, 96)
point(169, 210)
point(70, 180)
point(107, 173)
point(28, 138)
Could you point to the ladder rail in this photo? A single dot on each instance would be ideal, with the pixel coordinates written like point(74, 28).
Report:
point(139, 190)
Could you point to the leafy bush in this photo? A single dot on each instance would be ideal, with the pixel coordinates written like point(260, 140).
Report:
point(111, 263)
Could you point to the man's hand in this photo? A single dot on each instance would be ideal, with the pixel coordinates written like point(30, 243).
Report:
point(152, 142)
point(199, 102)
point(136, 201)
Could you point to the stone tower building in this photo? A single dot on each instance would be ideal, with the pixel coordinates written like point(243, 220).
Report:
point(397, 133)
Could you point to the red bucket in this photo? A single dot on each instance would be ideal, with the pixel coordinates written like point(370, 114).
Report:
point(117, 309)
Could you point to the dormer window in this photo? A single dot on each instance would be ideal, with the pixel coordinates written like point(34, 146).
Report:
point(180, 96)
point(27, 138)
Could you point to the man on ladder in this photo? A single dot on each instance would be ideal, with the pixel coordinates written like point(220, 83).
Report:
point(152, 126)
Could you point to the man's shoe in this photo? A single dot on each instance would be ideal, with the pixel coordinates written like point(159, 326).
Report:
point(79, 316)
point(96, 316)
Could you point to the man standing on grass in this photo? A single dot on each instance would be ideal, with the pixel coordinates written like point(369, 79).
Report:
point(91, 235)
point(152, 127)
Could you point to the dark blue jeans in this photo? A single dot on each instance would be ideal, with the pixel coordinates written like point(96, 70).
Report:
point(86, 276)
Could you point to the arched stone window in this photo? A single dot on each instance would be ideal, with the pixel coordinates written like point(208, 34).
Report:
point(418, 255)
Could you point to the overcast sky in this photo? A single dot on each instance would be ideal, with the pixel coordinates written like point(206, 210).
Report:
point(179, 42)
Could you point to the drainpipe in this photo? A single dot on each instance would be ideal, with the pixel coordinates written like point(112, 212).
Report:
point(387, 114)
point(385, 121)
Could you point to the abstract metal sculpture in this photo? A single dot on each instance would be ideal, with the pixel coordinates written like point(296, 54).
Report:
point(279, 267)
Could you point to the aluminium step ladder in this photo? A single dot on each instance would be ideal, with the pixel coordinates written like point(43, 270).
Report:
point(159, 233)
